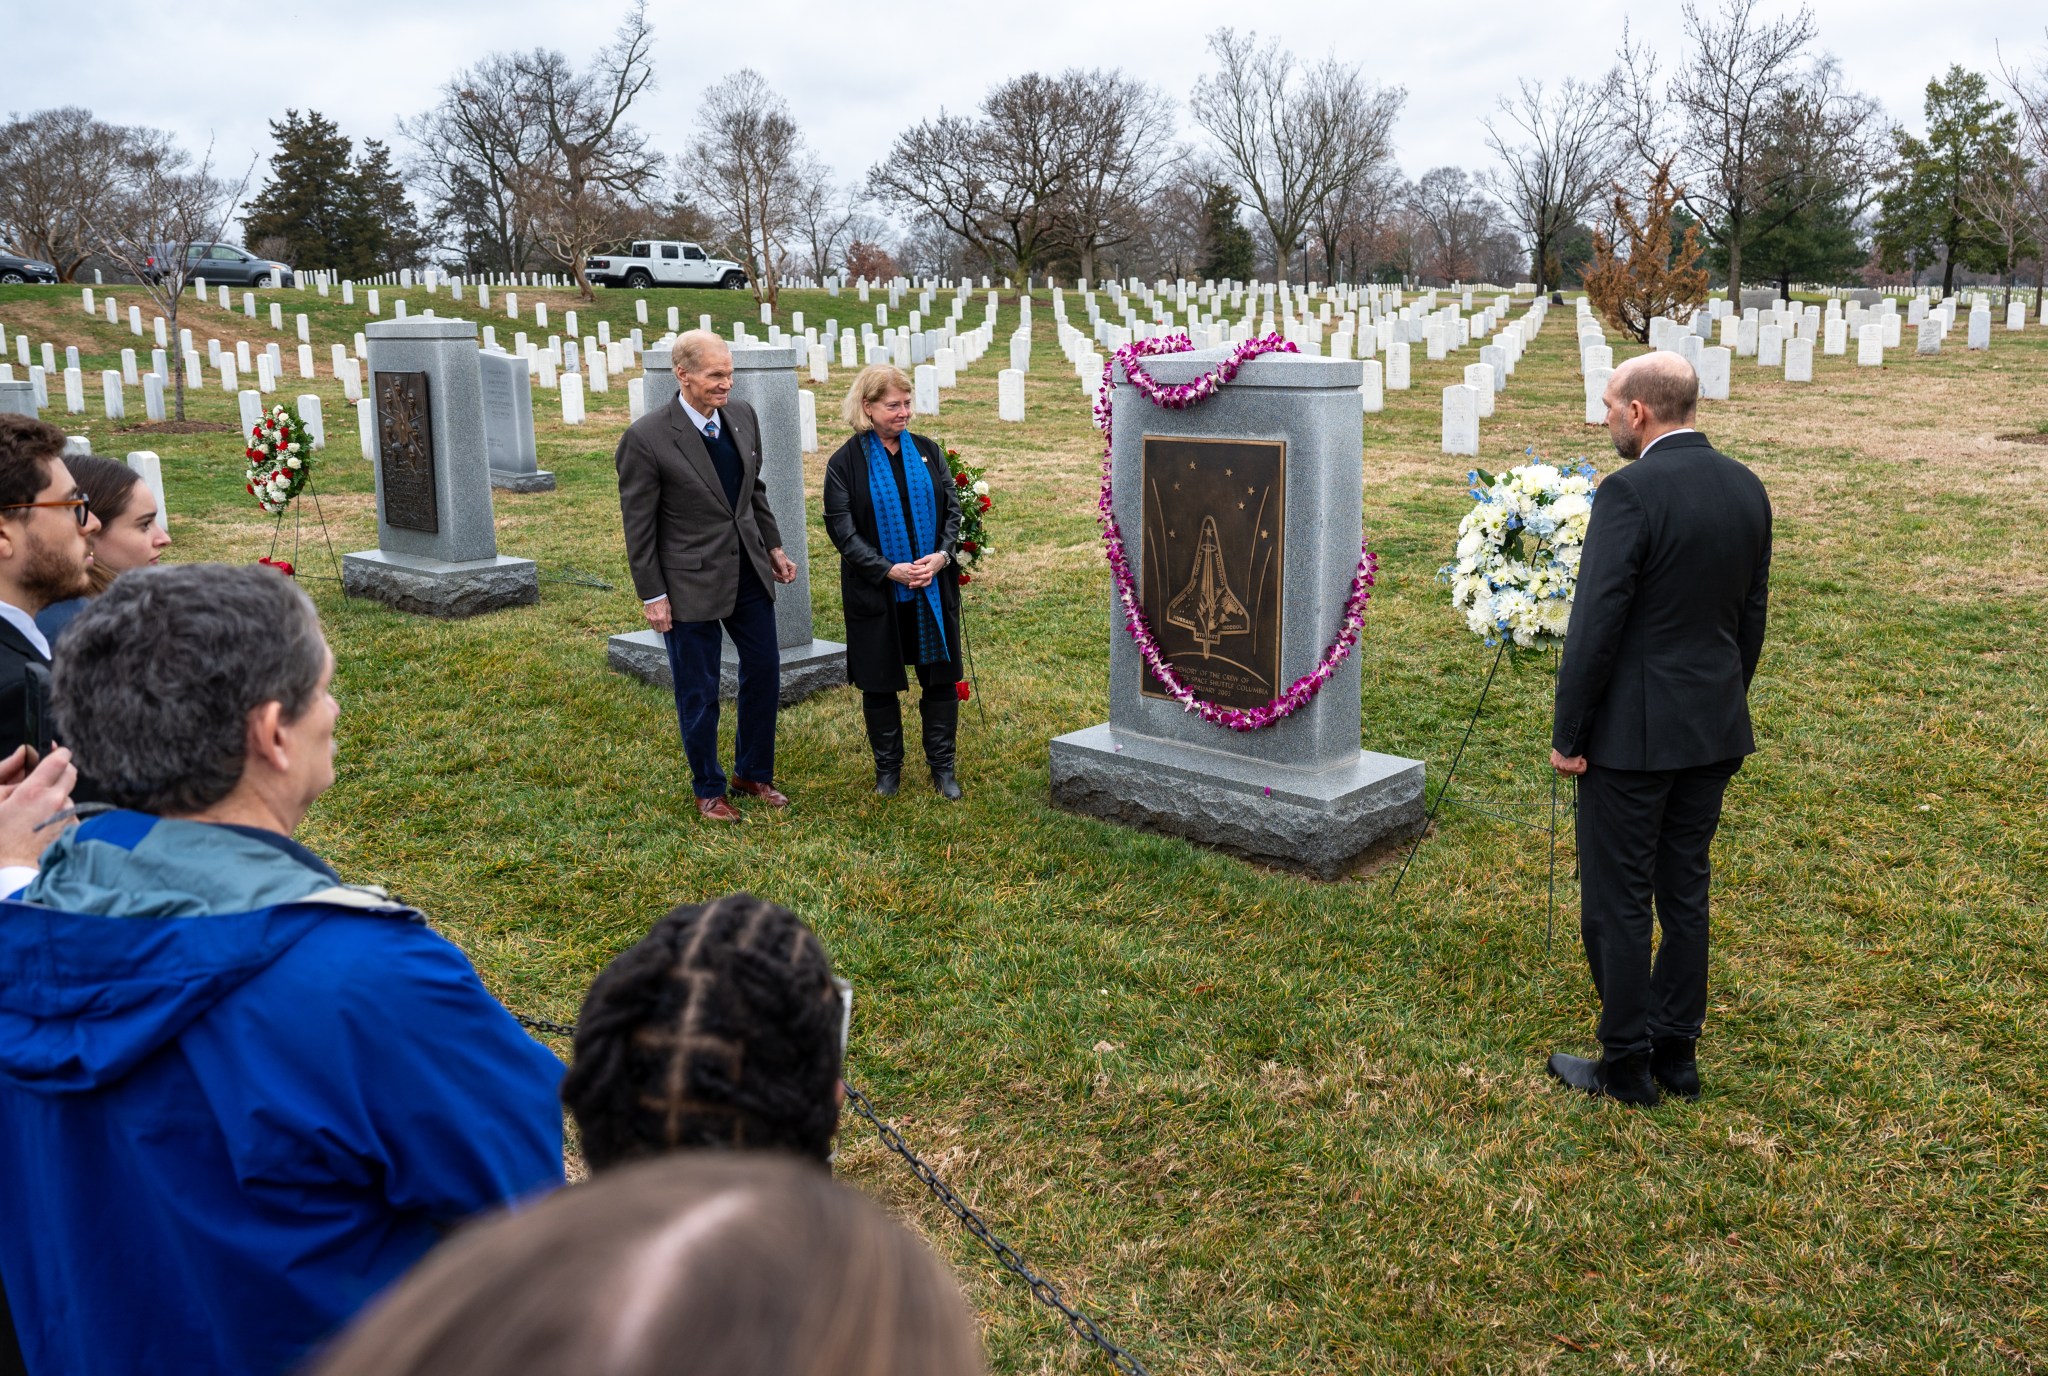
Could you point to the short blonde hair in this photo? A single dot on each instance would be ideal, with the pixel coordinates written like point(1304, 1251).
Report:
point(872, 383)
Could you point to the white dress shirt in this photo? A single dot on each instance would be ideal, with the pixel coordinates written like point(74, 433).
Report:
point(26, 624)
point(1686, 430)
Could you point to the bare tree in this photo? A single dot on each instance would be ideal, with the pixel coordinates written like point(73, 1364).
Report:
point(1454, 214)
point(828, 217)
point(2029, 92)
point(158, 207)
point(467, 152)
point(592, 168)
point(1119, 154)
point(1557, 153)
point(994, 182)
point(1742, 122)
point(54, 180)
point(748, 163)
point(1288, 135)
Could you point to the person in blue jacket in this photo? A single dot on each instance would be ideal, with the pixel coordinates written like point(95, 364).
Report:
point(237, 1096)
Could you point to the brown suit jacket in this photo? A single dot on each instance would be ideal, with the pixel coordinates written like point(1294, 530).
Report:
point(683, 540)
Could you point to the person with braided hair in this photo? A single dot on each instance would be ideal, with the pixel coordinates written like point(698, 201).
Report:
point(721, 1028)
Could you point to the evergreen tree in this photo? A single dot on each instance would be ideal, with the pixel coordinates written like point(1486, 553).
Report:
point(1929, 210)
point(1226, 243)
point(1815, 242)
point(307, 202)
point(328, 206)
point(388, 232)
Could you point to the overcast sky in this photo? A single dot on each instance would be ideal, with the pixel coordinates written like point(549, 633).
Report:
point(855, 75)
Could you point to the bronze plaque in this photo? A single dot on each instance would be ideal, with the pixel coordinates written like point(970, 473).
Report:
point(1214, 519)
point(405, 452)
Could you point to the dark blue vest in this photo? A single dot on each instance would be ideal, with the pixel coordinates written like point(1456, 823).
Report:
point(725, 457)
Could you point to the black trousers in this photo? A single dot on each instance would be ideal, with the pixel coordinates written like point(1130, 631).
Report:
point(1644, 838)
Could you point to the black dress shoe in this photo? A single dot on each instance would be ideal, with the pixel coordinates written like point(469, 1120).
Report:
point(1674, 1066)
point(1625, 1079)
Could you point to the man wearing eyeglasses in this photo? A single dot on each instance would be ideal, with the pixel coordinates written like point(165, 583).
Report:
point(45, 550)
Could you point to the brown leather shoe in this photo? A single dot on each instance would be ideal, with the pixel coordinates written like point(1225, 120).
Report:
point(717, 810)
point(765, 792)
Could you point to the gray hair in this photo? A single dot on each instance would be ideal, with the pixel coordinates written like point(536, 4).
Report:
point(692, 349)
point(153, 683)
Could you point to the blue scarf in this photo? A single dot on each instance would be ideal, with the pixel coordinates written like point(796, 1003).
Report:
point(897, 534)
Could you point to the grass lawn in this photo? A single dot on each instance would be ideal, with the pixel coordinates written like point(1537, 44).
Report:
point(1252, 1122)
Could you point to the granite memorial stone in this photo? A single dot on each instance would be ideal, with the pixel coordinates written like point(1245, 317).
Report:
point(508, 424)
point(1270, 464)
point(437, 548)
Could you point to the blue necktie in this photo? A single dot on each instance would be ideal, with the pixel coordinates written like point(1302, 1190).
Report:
point(711, 428)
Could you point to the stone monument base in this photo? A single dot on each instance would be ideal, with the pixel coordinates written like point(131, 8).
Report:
point(438, 587)
point(1320, 821)
point(806, 669)
point(540, 480)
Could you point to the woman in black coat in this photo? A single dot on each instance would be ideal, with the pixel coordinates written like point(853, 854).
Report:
point(897, 578)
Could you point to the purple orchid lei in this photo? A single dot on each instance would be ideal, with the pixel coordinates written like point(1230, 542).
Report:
point(1180, 397)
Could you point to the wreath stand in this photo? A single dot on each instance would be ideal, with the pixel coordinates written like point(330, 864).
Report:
point(1493, 807)
point(277, 534)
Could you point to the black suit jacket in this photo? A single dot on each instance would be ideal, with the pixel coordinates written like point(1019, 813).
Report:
point(17, 686)
point(684, 540)
point(1668, 620)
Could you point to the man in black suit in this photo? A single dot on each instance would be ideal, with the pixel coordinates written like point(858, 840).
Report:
point(45, 550)
point(1652, 715)
point(705, 552)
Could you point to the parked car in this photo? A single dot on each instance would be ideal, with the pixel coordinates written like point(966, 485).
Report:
point(665, 263)
point(225, 265)
point(15, 268)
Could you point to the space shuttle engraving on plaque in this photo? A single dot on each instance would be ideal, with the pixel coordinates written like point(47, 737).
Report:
point(1214, 524)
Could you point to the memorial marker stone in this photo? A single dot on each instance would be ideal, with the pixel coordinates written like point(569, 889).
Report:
point(1244, 571)
point(437, 548)
point(507, 389)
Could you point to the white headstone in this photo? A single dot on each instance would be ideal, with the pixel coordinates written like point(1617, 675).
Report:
point(1372, 391)
point(74, 391)
point(250, 403)
point(1596, 390)
point(1714, 367)
point(112, 400)
point(366, 429)
point(1397, 366)
point(153, 395)
point(1770, 347)
point(150, 469)
point(1799, 360)
point(1870, 346)
point(1980, 326)
point(1010, 394)
point(1461, 419)
point(1479, 377)
point(572, 398)
point(316, 426)
point(807, 421)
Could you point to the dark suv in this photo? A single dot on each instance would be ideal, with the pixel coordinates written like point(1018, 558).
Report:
point(226, 265)
point(15, 268)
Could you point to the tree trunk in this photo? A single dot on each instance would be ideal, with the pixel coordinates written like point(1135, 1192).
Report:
point(1735, 267)
point(1088, 261)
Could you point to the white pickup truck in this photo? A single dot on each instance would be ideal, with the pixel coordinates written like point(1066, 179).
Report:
point(665, 263)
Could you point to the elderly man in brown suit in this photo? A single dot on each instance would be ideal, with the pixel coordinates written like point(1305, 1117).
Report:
point(706, 553)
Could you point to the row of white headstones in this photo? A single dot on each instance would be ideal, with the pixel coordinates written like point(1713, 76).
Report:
point(1784, 336)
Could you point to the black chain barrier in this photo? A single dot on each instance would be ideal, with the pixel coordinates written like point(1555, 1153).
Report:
point(1043, 1290)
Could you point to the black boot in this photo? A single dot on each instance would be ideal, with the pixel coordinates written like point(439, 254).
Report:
point(1674, 1066)
point(941, 726)
point(1625, 1079)
point(884, 716)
